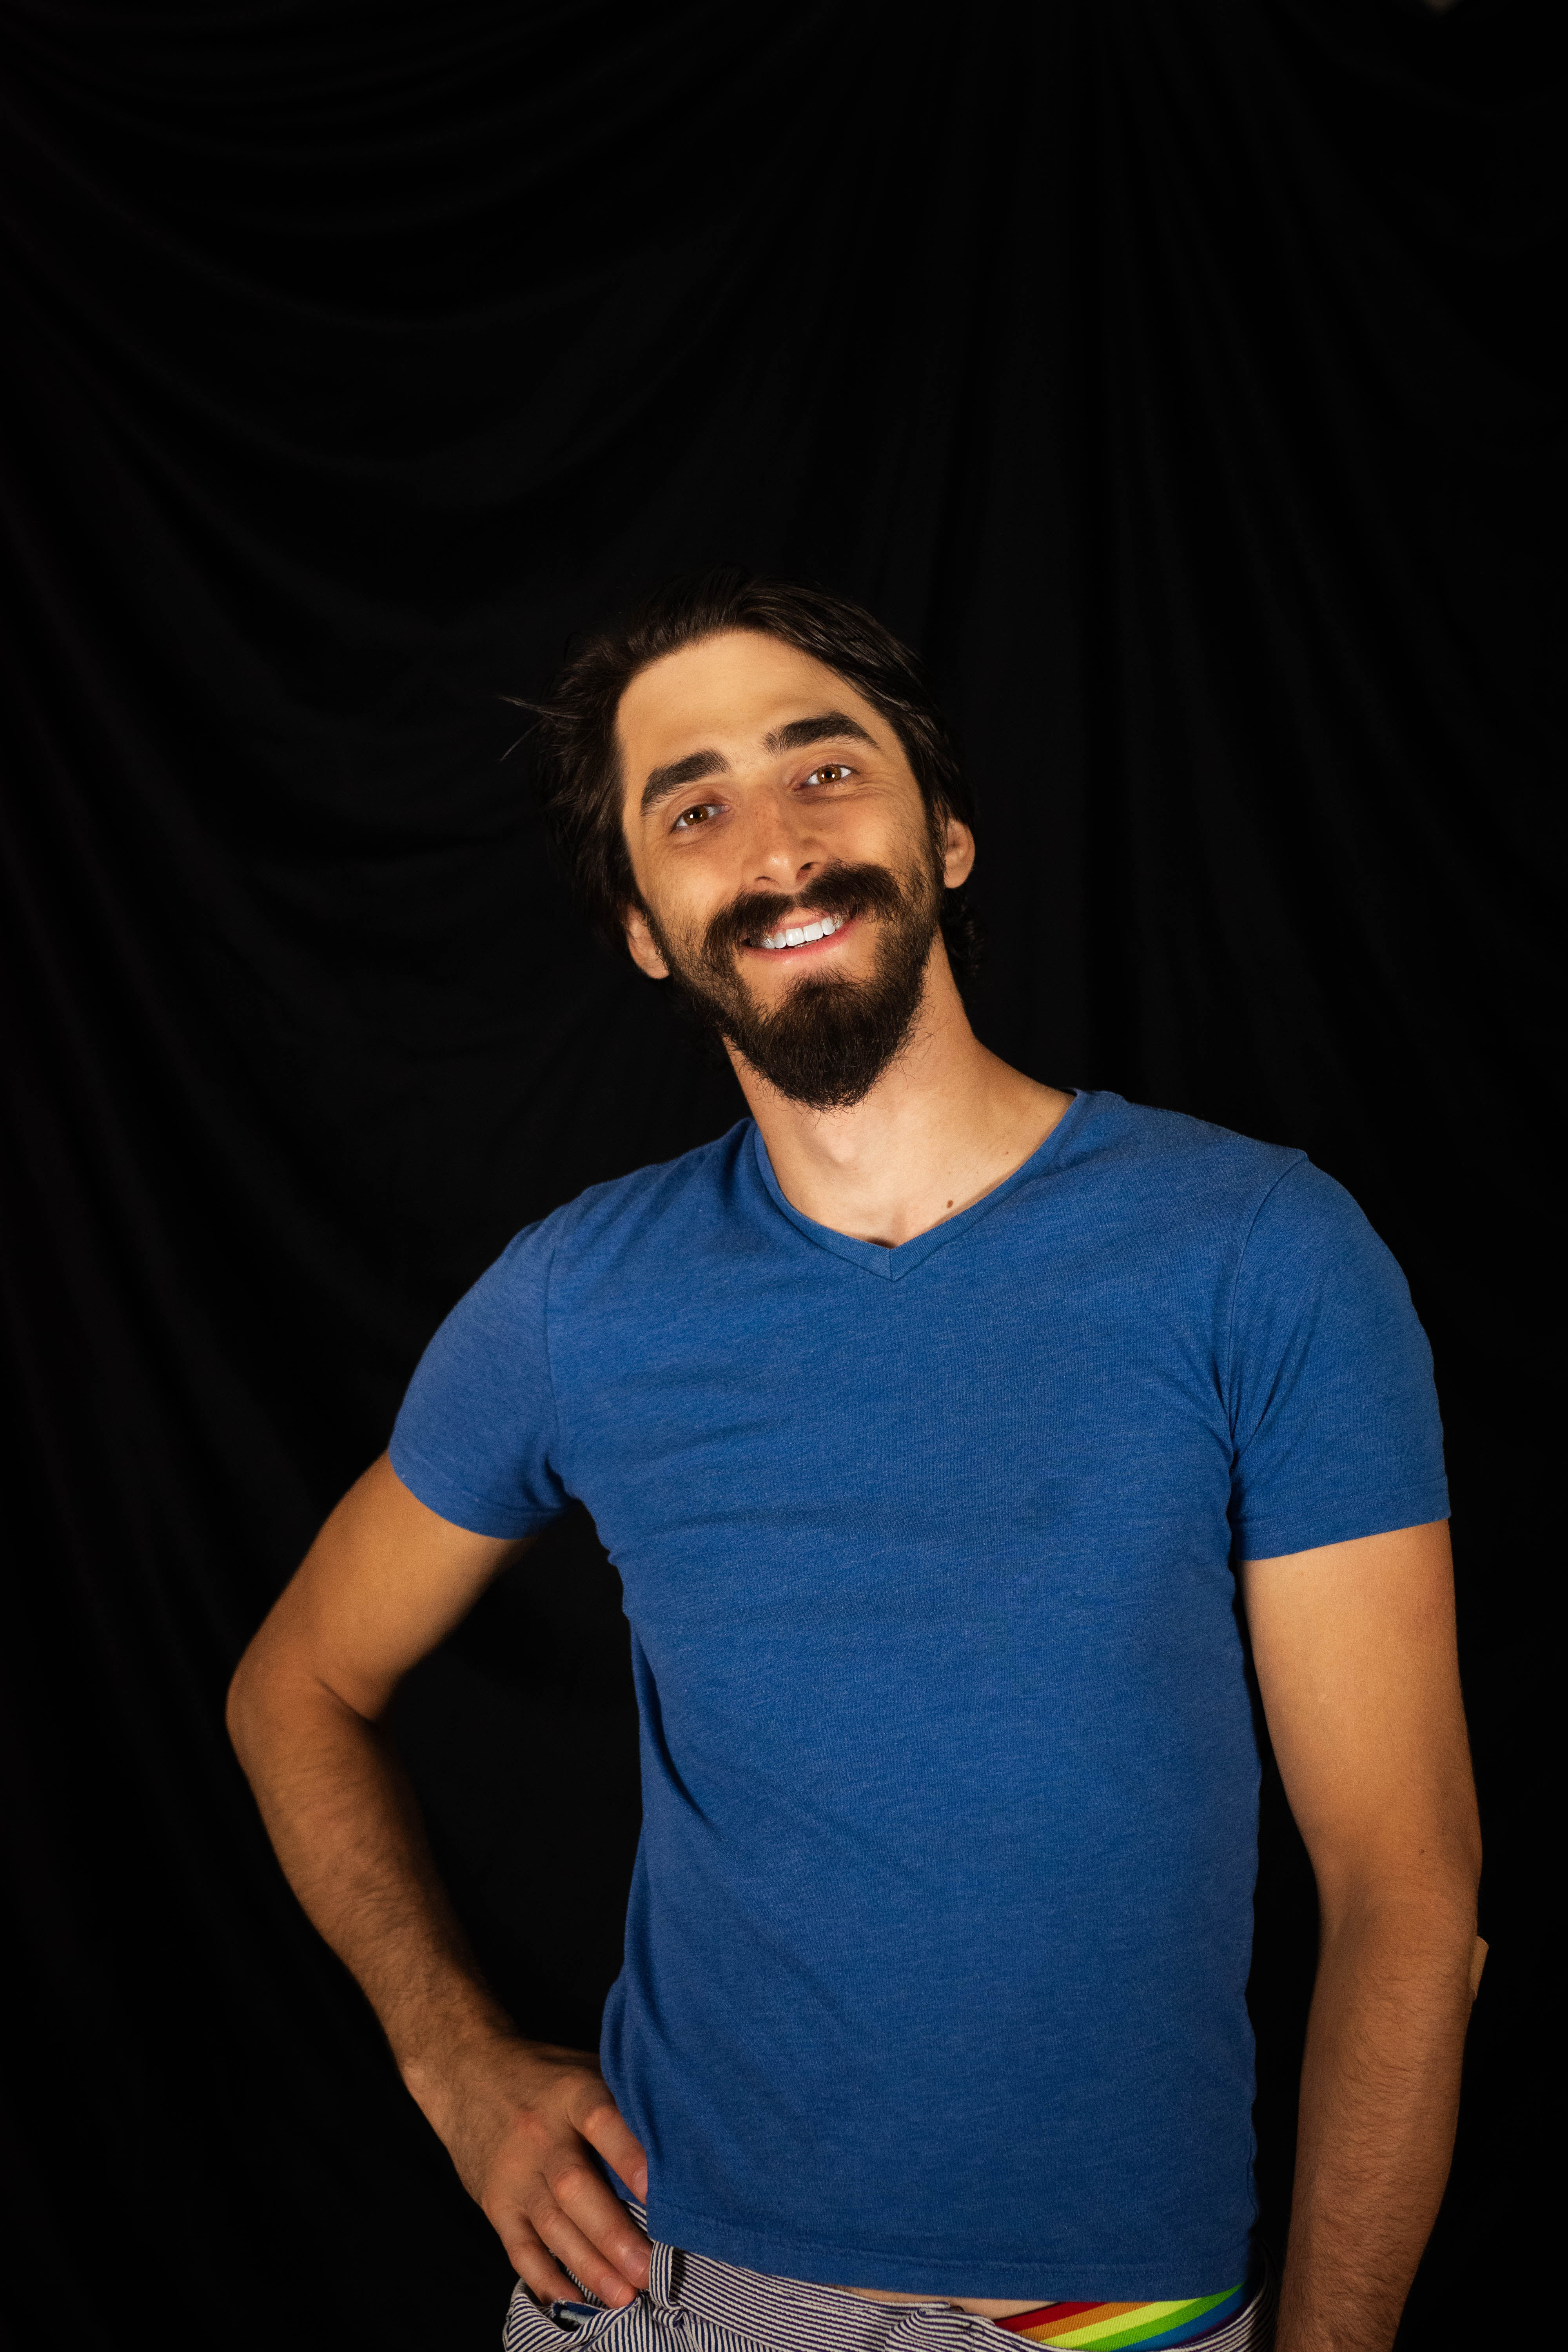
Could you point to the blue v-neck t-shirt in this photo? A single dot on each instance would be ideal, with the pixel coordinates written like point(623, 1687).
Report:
point(939, 1934)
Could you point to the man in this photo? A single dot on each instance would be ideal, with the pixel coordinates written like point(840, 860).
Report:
point(957, 1439)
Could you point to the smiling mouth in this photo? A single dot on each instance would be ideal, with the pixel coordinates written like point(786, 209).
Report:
point(799, 935)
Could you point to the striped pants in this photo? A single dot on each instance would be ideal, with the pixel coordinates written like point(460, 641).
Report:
point(693, 2304)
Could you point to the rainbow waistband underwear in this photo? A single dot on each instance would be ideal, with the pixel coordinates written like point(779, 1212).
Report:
point(1105, 2326)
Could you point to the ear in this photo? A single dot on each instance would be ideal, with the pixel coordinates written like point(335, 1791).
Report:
point(957, 853)
point(644, 954)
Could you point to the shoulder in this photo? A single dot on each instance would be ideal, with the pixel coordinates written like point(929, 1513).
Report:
point(611, 1219)
point(611, 1235)
point(1261, 1210)
point(1193, 1166)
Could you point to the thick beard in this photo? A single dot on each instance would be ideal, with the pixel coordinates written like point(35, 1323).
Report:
point(830, 1039)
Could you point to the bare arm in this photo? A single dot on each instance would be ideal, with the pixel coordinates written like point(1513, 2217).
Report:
point(385, 1582)
point(1356, 1663)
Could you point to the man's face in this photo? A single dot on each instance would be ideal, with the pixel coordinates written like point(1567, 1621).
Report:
point(763, 800)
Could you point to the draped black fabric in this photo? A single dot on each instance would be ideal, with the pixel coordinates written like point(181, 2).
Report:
point(1181, 376)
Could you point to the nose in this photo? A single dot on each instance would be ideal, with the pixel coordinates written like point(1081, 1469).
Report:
point(782, 849)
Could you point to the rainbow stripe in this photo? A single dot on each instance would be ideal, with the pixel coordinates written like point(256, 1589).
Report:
point(1106, 2326)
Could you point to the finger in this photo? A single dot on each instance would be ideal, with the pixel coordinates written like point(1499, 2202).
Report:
point(532, 2260)
point(599, 2216)
point(605, 2129)
point(577, 2254)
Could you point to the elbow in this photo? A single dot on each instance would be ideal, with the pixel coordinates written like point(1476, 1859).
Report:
point(242, 1707)
point(234, 1709)
point(1424, 1892)
point(1449, 1872)
point(1471, 1868)
point(1462, 1857)
point(1449, 1882)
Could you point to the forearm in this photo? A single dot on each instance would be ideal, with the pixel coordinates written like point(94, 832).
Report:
point(1380, 2091)
point(346, 1827)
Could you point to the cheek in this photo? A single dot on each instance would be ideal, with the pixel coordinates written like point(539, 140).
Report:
point(872, 835)
point(681, 904)
point(646, 949)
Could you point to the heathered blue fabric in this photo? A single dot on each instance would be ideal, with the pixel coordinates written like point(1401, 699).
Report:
point(940, 1923)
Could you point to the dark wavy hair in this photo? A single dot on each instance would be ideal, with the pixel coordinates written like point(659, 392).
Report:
point(576, 758)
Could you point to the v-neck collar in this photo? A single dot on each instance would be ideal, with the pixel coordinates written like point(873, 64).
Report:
point(892, 1264)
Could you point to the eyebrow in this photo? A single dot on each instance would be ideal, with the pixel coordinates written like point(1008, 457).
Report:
point(662, 781)
point(801, 731)
point(696, 765)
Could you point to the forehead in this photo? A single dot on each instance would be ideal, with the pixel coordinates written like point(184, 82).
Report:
point(724, 695)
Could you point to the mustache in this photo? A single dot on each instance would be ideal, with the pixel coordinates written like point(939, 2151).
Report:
point(843, 891)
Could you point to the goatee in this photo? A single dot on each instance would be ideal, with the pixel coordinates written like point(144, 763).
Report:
point(830, 1038)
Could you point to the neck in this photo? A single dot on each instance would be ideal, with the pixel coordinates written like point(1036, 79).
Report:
point(944, 1126)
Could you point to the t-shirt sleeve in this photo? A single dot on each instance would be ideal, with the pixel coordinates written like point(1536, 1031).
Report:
point(1333, 1412)
point(477, 1431)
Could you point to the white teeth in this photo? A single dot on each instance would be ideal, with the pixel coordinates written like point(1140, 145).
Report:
point(820, 927)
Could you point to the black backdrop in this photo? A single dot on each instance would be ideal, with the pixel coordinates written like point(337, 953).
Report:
point(1180, 375)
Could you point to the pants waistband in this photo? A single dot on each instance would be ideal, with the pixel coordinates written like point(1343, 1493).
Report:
point(717, 2306)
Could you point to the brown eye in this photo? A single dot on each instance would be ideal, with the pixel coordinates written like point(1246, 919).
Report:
point(833, 772)
point(699, 815)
